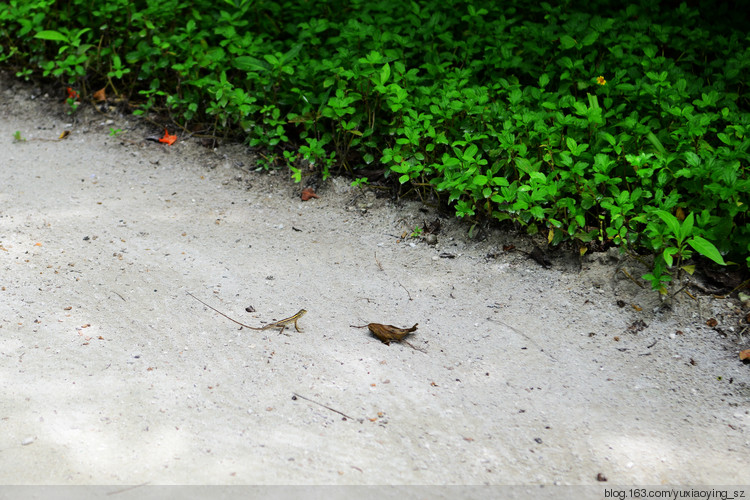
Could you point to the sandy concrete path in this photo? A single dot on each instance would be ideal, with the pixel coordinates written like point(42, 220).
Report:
point(112, 374)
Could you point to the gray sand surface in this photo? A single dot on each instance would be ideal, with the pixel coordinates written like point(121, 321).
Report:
point(111, 374)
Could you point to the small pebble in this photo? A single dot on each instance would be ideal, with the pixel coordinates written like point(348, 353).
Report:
point(28, 441)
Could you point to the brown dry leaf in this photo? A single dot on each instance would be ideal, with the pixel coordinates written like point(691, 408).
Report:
point(99, 95)
point(745, 355)
point(390, 333)
point(680, 214)
point(64, 135)
point(308, 193)
point(431, 227)
point(712, 322)
point(638, 326)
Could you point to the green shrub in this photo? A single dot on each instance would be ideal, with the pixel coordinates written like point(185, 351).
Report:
point(590, 123)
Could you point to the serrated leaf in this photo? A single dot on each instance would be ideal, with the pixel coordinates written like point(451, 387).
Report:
point(707, 249)
point(543, 80)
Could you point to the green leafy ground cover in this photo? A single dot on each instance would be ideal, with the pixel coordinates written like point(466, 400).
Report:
point(618, 123)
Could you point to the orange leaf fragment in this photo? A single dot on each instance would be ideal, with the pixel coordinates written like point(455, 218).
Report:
point(745, 355)
point(37, 244)
point(308, 193)
point(168, 139)
point(100, 95)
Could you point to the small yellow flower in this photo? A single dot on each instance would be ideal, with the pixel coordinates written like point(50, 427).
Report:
point(600, 80)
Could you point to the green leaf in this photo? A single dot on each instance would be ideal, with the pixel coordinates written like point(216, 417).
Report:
point(687, 227)
point(567, 42)
point(671, 221)
point(51, 35)
point(543, 80)
point(589, 39)
point(385, 73)
point(593, 101)
point(480, 180)
point(248, 63)
point(470, 152)
point(291, 53)
point(668, 253)
point(656, 143)
point(707, 249)
point(271, 59)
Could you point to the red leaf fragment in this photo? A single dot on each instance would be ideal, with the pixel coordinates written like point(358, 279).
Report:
point(168, 139)
point(100, 95)
point(308, 193)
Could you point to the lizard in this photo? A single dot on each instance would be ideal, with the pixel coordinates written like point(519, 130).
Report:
point(282, 323)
